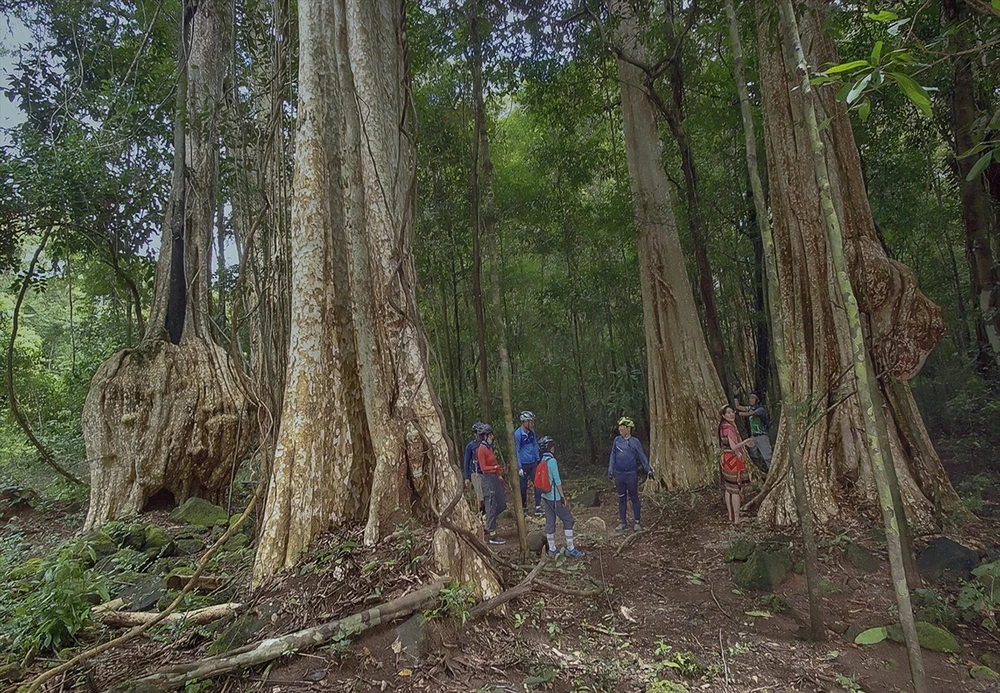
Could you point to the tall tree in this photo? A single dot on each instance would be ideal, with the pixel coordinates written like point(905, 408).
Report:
point(362, 433)
point(173, 413)
point(684, 388)
point(902, 325)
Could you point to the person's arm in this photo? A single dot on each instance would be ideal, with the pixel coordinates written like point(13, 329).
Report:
point(642, 457)
point(518, 444)
point(736, 444)
point(555, 479)
point(467, 464)
point(611, 459)
point(744, 413)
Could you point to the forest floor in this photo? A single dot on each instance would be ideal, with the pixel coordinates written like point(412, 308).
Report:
point(667, 609)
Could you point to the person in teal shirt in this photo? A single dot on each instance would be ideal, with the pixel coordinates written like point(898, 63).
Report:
point(555, 503)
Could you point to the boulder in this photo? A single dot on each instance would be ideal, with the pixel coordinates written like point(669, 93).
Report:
point(763, 570)
point(145, 593)
point(861, 558)
point(931, 637)
point(236, 542)
point(100, 542)
point(988, 659)
point(596, 525)
point(981, 673)
point(130, 536)
point(200, 513)
point(188, 546)
point(236, 634)
point(155, 538)
point(536, 541)
point(413, 635)
point(944, 558)
point(739, 550)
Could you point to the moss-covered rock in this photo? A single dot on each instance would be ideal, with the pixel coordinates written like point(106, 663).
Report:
point(200, 513)
point(236, 542)
point(931, 637)
point(988, 659)
point(668, 687)
point(236, 634)
point(155, 538)
point(861, 558)
point(26, 570)
point(100, 542)
point(763, 570)
point(188, 546)
point(981, 673)
point(739, 550)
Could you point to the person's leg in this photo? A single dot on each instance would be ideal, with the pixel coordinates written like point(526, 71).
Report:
point(737, 500)
point(633, 492)
point(727, 497)
point(622, 488)
point(566, 515)
point(763, 446)
point(477, 486)
point(550, 524)
point(528, 471)
point(538, 497)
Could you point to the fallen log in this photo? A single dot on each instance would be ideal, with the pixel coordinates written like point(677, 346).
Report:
point(198, 617)
point(504, 597)
point(300, 641)
point(113, 605)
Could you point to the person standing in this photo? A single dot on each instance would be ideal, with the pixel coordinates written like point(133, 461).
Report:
point(555, 502)
point(493, 495)
point(470, 465)
point(623, 469)
point(759, 423)
point(735, 474)
point(528, 456)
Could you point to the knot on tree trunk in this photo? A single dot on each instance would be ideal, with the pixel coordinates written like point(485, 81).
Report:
point(164, 416)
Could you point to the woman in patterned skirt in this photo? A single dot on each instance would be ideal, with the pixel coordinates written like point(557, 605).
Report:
point(735, 474)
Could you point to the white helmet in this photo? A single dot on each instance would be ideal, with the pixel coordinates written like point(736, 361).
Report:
point(527, 416)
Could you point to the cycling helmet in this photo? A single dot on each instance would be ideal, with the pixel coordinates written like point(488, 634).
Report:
point(527, 416)
point(545, 444)
point(477, 428)
point(625, 421)
point(485, 430)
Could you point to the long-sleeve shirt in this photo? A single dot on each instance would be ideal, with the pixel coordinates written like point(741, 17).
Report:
point(626, 453)
point(470, 464)
point(554, 478)
point(527, 447)
point(488, 459)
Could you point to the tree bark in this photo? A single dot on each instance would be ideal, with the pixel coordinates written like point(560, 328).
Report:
point(173, 413)
point(975, 202)
point(684, 388)
point(362, 434)
point(903, 325)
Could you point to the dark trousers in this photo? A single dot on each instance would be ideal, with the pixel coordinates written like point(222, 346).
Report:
point(494, 499)
point(627, 485)
point(529, 475)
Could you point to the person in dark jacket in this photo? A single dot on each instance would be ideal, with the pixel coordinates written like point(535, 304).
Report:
point(493, 494)
point(623, 469)
point(470, 465)
point(528, 456)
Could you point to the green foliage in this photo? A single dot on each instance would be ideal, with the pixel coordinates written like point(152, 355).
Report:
point(849, 684)
point(979, 599)
point(871, 636)
point(453, 602)
point(45, 611)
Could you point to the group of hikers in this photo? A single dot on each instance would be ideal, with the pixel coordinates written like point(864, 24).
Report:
point(537, 467)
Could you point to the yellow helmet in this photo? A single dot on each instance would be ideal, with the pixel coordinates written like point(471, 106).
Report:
point(625, 421)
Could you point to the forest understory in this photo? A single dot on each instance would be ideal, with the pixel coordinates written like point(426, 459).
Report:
point(663, 611)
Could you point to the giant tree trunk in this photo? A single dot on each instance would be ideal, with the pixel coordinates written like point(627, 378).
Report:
point(362, 433)
point(172, 413)
point(684, 389)
point(902, 325)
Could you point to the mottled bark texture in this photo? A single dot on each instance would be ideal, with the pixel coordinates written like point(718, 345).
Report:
point(173, 413)
point(684, 389)
point(362, 433)
point(901, 324)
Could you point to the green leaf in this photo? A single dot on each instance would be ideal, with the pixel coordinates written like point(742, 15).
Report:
point(871, 636)
point(846, 67)
point(977, 169)
point(864, 109)
point(913, 91)
point(859, 87)
point(883, 16)
point(996, 5)
point(876, 53)
point(758, 614)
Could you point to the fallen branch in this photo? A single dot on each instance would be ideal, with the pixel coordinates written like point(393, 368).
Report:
point(514, 592)
point(199, 617)
point(113, 605)
point(36, 684)
point(207, 583)
point(567, 590)
point(300, 641)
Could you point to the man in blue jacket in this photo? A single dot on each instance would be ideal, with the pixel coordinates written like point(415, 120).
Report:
point(527, 459)
point(623, 468)
point(470, 465)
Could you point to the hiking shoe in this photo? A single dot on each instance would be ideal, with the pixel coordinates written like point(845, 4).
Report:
point(638, 527)
point(575, 553)
point(497, 540)
point(620, 527)
point(538, 511)
point(553, 554)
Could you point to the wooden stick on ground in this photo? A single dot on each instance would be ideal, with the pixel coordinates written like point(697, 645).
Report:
point(197, 617)
point(516, 591)
point(300, 641)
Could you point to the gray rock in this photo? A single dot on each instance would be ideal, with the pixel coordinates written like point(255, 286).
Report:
point(200, 513)
point(155, 538)
point(413, 635)
point(536, 541)
point(145, 593)
point(236, 542)
point(763, 570)
point(739, 550)
point(236, 634)
point(981, 673)
point(944, 558)
point(861, 558)
point(189, 546)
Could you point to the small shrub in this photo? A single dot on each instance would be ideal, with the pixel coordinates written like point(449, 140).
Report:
point(453, 601)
